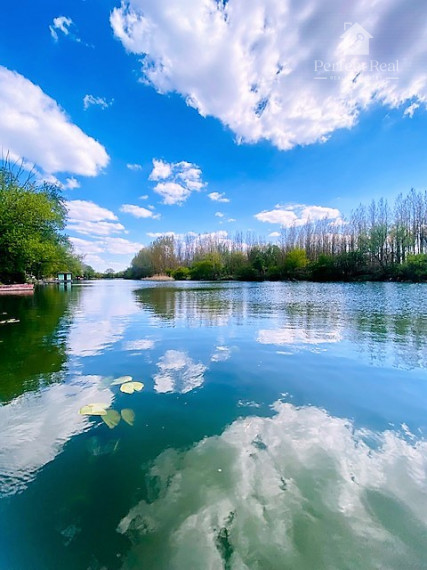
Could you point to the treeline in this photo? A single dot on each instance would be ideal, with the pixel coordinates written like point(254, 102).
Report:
point(378, 242)
point(32, 220)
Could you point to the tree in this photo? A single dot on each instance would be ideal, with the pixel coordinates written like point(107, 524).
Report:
point(32, 220)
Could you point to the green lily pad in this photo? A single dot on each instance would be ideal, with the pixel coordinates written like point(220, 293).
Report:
point(121, 380)
point(111, 418)
point(131, 387)
point(94, 410)
point(128, 416)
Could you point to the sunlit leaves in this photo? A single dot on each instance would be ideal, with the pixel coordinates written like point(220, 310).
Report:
point(128, 416)
point(131, 387)
point(121, 380)
point(111, 418)
point(94, 410)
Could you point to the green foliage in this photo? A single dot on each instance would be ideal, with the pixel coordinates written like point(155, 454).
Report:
point(414, 268)
point(295, 262)
point(32, 218)
point(204, 270)
point(181, 273)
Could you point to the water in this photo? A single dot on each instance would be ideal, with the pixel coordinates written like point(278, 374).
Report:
point(280, 426)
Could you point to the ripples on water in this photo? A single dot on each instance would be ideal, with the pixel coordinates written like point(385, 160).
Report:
point(281, 426)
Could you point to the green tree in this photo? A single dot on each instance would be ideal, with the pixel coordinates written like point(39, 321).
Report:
point(32, 219)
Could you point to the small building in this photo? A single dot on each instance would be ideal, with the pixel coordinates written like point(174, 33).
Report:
point(65, 277)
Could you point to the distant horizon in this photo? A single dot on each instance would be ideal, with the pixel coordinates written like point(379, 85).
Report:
point(162, 117)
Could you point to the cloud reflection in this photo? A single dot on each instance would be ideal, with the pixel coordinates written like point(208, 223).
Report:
point(178, 373)
point(299, 490)
point(35, 427)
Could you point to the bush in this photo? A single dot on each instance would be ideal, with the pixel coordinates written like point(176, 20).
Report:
point(203, 270)
point(248, 273)
point(181, 273)
point(414, 268)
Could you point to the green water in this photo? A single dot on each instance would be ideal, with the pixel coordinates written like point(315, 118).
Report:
point(281, 426)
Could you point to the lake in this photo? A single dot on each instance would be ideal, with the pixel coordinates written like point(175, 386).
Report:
point(281, 426)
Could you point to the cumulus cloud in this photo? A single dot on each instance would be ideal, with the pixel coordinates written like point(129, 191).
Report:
point(88, 218)
point(219, 214)
point(138, 212)
point(253, 65)
point(218, 197)
point(34, 127)
point(178, 373)
point(90, 100)
point(113, 245)
point(176, 181)
point(297, 215)
point(71, 184)
point(297, 490)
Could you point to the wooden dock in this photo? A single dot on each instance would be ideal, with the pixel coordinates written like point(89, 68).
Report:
point(20, 289)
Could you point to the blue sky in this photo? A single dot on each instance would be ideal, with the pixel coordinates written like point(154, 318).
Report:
point(225, 98)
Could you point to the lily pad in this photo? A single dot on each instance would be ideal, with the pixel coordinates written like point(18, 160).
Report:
point(121, 380)
point(128, 416)
point(111, 418)
point(94, 410)
point(131, 387)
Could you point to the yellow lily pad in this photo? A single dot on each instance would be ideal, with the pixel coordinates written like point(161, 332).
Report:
point(121, 380)
point(128, 416)
point(131, 387)
point(94, 410)
point(111, 418)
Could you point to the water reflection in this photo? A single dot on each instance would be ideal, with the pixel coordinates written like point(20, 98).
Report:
point(385, 321)
point(35, 427)
point(300, 490)
point(101, 317)
point(194, 305)
point(178, 373)
point(32, 351)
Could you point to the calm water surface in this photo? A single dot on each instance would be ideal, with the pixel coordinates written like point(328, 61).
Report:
point(281, 426)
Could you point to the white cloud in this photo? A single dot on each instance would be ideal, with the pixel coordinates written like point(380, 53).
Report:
point(178, 373)
point(297, 215)
point(219, 214)
point(34, 127)
point(112, 245)
point(231, 220)
point(409, 111)
point(274, 234)
point(135, 167)
point(155, 235)
point(89, 100)
point(60, 24)
point(88, 218)
point(161, 170)
point(71, 184)
point(218, 197)
point(138, 212)
point(145, 197)
point(176, 181)
point(252, 65)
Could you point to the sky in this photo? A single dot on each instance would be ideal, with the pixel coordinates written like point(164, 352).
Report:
point(175, 116)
